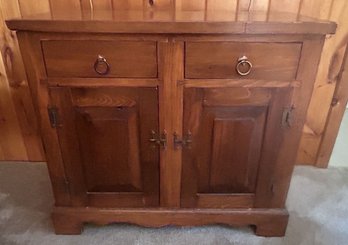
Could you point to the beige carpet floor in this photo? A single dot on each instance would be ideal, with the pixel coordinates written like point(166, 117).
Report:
point(318, 205)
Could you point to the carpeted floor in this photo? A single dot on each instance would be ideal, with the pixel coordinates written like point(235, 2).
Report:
point(318, 205)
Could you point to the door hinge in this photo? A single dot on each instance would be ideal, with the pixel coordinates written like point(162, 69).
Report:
point(53, 116)
point(287, 119)
point(185, 142)
point(157, 139)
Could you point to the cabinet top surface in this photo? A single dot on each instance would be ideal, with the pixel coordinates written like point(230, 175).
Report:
point(172, 21)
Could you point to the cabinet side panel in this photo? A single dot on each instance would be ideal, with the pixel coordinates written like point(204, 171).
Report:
point(281, 175)
point(33, 61)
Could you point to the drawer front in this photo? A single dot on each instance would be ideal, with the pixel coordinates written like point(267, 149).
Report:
point(76, 58)
point(269, 61)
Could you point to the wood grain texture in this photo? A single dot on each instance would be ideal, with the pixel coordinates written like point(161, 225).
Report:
point(220, 59)
point(279, 178)
point(268, 222)
point(59, 8)
point(104, 136)
point(77, 58)
point(331, 60)
point(171, 70)
point(320, 9)
point(245, 83)
point(337, 110)
point(22, 141)
point(9, 127)
point(225, 200)
point(292, 6)
point(33, 60)
point(324, 9)
point(130, 23)
point(169, 144)
point(107, 82)
point(28, 8)
point(10, 131)
point(228, 125)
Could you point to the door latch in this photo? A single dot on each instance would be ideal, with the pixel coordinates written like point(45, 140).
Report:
point(160, 140)
point(53, 116)
point(287, 119)
point(185, 142)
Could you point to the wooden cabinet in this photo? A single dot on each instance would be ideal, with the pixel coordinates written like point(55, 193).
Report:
point(174, 122)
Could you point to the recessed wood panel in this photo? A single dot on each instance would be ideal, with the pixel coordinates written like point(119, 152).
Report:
point(76, 58)
point(234, 142)
point(274, 61)
point(108, 141)
point(231, 148)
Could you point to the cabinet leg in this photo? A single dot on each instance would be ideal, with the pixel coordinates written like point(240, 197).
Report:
point(66, 224)
point(273, 228)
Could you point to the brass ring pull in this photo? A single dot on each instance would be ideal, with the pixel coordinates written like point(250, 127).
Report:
point(101, 66)
point(243, 62)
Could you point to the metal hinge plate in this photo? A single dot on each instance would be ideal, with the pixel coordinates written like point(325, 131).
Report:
point(53, 116)
point(160, 140)
point(287, 117)
point(185, 142)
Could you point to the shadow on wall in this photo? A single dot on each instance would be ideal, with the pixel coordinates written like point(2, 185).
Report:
point(339, 157)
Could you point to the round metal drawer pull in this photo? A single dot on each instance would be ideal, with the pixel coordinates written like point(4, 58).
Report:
point(99, 63)
point(242, 62)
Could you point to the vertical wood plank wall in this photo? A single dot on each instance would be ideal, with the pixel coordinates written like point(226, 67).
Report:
point(19, 138)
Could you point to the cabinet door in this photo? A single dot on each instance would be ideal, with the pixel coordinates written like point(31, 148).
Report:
point(104, 137)
point(229, 127)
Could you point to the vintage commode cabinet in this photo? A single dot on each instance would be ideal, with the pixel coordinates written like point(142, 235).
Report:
point(176, 121)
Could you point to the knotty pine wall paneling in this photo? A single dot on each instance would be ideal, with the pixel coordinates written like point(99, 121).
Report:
point(330, 65)
point(18, 127)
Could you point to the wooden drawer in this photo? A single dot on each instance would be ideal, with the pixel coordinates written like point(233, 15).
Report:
point(77, 58)
point(270, 61)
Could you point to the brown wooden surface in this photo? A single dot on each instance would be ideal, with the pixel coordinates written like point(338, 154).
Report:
point(271, 222)
point(19, 128)
point(224, 146)
point(281, 174)
point(33, 60)
point(228, 132)
point(133, 21)
point(104, 137)
point(171, 59)
point(20, 124)
point(75, 58)
point(107, 82)
point(277, 61)
point(241, 154)
point(240, 83)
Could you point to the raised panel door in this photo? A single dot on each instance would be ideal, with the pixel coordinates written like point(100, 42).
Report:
point(228, 128)
point(104, 137)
